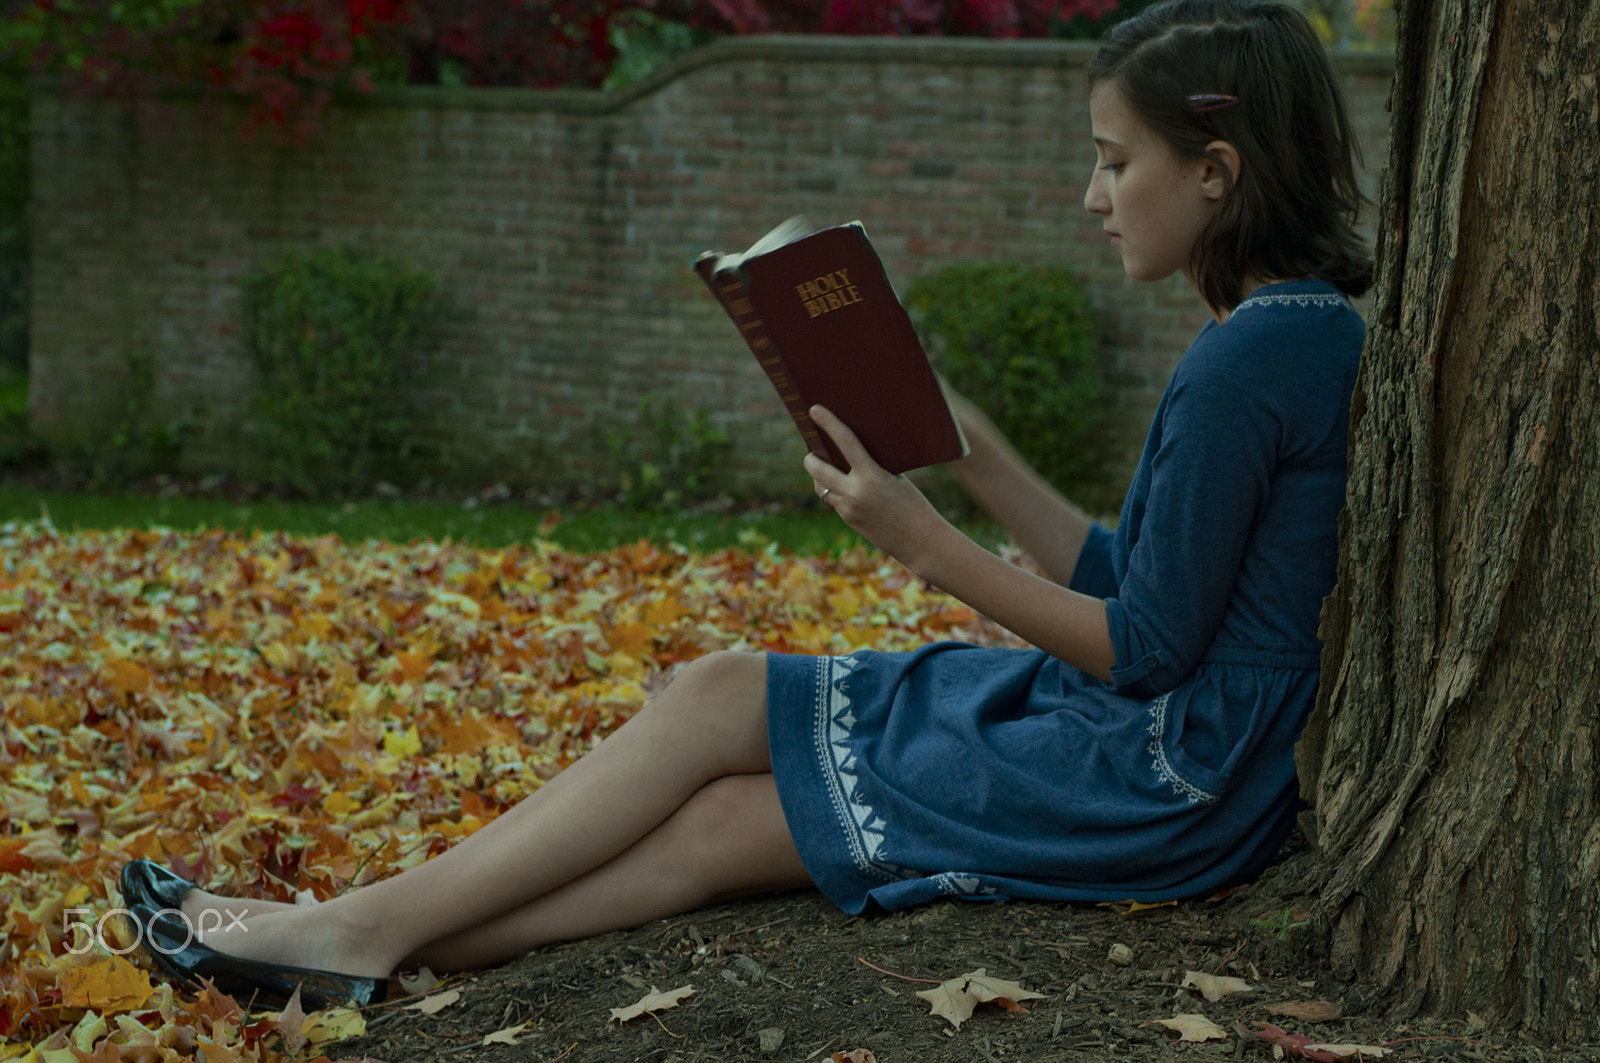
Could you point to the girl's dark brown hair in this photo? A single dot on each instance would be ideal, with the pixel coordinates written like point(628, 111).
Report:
point(1291, 211)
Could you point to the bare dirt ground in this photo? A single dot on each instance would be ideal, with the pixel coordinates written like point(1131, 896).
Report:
point(780, 979)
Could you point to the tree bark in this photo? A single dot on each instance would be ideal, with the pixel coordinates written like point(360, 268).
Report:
point(1452, 758)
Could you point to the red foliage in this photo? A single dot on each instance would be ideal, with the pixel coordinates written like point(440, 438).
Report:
point(287, 57)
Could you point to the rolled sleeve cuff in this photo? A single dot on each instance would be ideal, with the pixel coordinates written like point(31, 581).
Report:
point(1140, 672)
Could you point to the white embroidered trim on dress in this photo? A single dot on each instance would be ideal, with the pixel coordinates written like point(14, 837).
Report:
point(956, 884)
point(862, 827)
point(1305, 299)
point(1164, 769)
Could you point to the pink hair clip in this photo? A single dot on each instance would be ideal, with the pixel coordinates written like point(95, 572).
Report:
point(1212, 101)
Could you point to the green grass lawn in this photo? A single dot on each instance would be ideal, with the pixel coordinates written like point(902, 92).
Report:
point(403, 520)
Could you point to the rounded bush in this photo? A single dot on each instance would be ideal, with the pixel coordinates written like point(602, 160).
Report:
point(1019, 341)
point(331, 333)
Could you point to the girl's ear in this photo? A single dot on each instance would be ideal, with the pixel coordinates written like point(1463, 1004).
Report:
point(1222, 169)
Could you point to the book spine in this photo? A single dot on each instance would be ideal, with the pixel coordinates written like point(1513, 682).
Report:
point(735, 299)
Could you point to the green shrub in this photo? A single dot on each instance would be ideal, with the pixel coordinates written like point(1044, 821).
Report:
point(668, 455)
point(332, 334)
point(16, 443)
point(645, 41)
point(133, 439)
point(14, 192)
point(1018, 341)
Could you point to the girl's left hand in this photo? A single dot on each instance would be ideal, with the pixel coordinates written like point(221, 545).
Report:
point(887, 510)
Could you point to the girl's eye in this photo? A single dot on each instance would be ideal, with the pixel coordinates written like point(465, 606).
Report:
point(1113, 167)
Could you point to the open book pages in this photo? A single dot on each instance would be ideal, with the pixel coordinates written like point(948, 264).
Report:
point(785, 232)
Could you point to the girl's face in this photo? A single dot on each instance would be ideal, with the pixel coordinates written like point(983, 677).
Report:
point(1152, 203)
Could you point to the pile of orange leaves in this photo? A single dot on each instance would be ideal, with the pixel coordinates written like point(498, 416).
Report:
point(277, 716)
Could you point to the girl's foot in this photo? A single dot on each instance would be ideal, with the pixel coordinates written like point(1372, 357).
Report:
point(175, 950)
point(146, 883)
point(209, 912)
point(302, 936)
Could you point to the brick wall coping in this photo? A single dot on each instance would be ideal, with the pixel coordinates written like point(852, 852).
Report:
point(789, 48)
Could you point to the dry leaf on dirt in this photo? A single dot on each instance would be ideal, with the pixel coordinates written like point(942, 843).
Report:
point(1308, 1010)
point(422, 980)
point(1214, 986)
point(1346, 1051)
point(956, 998)
point(652, 1002)
point(1191, 1028)
point(335, 1024)
point(1298, 1044)
point(292, 1024)
point(436, 1003)
point(507, 1036)
point(1131, 907)
point(855, 1055)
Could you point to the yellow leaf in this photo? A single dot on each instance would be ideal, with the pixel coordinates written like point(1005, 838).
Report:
point(413, 665)
point(340, 804)
point(90, 1029)
point(108, 986)
point(335, 1024)
point(662, 611)
point(125, 676)
point(402, 743)
point(652, 1002)
point(844, 602)
point(631, 638)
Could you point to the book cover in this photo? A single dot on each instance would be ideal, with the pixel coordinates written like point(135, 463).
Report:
point(817, 310)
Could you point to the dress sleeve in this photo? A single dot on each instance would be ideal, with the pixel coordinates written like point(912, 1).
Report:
point(1093, 575)
point(1209, 474)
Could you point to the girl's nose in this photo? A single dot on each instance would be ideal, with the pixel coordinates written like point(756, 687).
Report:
point(1095, 200)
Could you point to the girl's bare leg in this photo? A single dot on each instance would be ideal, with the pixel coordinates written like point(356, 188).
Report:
point(728, 840)
point(710, 723)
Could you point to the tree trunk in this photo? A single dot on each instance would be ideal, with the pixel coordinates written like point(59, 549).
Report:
point(1454, 753)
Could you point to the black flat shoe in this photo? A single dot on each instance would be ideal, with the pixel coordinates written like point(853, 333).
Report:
point(169, 941)
point(153, 886)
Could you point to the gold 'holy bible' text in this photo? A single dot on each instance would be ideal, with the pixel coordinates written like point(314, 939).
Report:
point(828, 292)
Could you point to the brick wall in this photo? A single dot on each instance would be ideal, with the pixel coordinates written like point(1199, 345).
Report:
point(562, 223)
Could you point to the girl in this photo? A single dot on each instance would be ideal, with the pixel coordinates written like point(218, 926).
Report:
point(1145, 750)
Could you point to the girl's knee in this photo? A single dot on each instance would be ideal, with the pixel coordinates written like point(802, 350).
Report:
point(722, 670)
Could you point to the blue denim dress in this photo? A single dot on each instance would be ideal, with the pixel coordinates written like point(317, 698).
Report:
point(957, 770)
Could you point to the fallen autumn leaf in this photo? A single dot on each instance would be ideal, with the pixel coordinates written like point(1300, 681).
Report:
point(1214, 986)
point(1308, 1010)
point(432, 1005)
point(956, 999)
point(507, 1036)
point(652, 1002)
point(1191, 1028)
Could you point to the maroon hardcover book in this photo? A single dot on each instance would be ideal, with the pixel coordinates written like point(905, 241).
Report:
point(819, 314)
